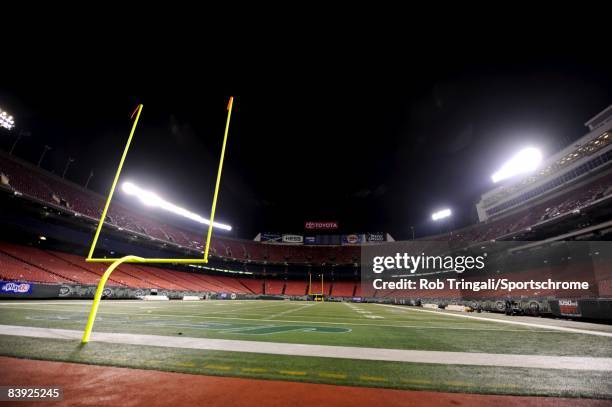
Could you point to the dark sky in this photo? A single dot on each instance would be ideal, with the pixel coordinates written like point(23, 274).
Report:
point(376, 143)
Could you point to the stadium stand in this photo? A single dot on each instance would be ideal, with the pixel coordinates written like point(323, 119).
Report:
point(24, 263)
point(36, 184)
point(64, 195)
point(274, 287)
point(296, 288)
point(342, 289)
point(13, 269)
point(576, 179)
point(254, 286)
point(566, 203)
point(49, 263)
point(118, 278)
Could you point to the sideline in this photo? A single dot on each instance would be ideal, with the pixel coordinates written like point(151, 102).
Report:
point(342, 352)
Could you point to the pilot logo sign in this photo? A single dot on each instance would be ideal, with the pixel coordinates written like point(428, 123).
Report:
point(16, 288)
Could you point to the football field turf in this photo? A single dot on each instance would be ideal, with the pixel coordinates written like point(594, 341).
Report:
point(338, 343)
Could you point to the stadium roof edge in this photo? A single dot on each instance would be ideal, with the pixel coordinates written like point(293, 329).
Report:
point(599, 119)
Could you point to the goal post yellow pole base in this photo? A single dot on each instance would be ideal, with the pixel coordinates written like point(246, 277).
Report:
point(99, 291)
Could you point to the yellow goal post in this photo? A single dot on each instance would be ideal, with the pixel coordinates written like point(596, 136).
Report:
point(115, 262)
point(316, 296)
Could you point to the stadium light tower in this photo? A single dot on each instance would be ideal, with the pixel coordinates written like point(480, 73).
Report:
point(42, 155)
point(21, 135)
point(525, 161)
point(6, 120)
point(441, 214)
point(91, 174)
point(70, 161)
point(442, 219)
point(149, 198)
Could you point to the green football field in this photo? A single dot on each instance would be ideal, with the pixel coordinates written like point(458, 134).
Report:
point(271, 340)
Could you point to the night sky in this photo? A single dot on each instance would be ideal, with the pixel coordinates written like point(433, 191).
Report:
point(376, 143)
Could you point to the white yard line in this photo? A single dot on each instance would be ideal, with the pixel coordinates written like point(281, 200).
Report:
point(530, 324)
point(290, 311)
point(342, 352)
point(364, 313)
point(227, 311)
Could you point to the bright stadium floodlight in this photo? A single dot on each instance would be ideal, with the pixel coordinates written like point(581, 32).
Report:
point(149, 198)
point(525, 161)
point(444, 213)
point(6, 120)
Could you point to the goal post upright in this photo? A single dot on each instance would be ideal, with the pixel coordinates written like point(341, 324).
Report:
point(309, 283)
point(214, 203)
point(322, 289)
point(114, 185)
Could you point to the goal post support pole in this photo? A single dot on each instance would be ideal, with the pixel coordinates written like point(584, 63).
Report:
point(100, 290)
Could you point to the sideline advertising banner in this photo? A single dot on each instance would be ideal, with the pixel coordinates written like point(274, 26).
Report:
point(310, 240)
point(271, 237)
point(13, 287)
point(293, 239)
point(375, 237)
point(321, 225)
point(353, 239)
